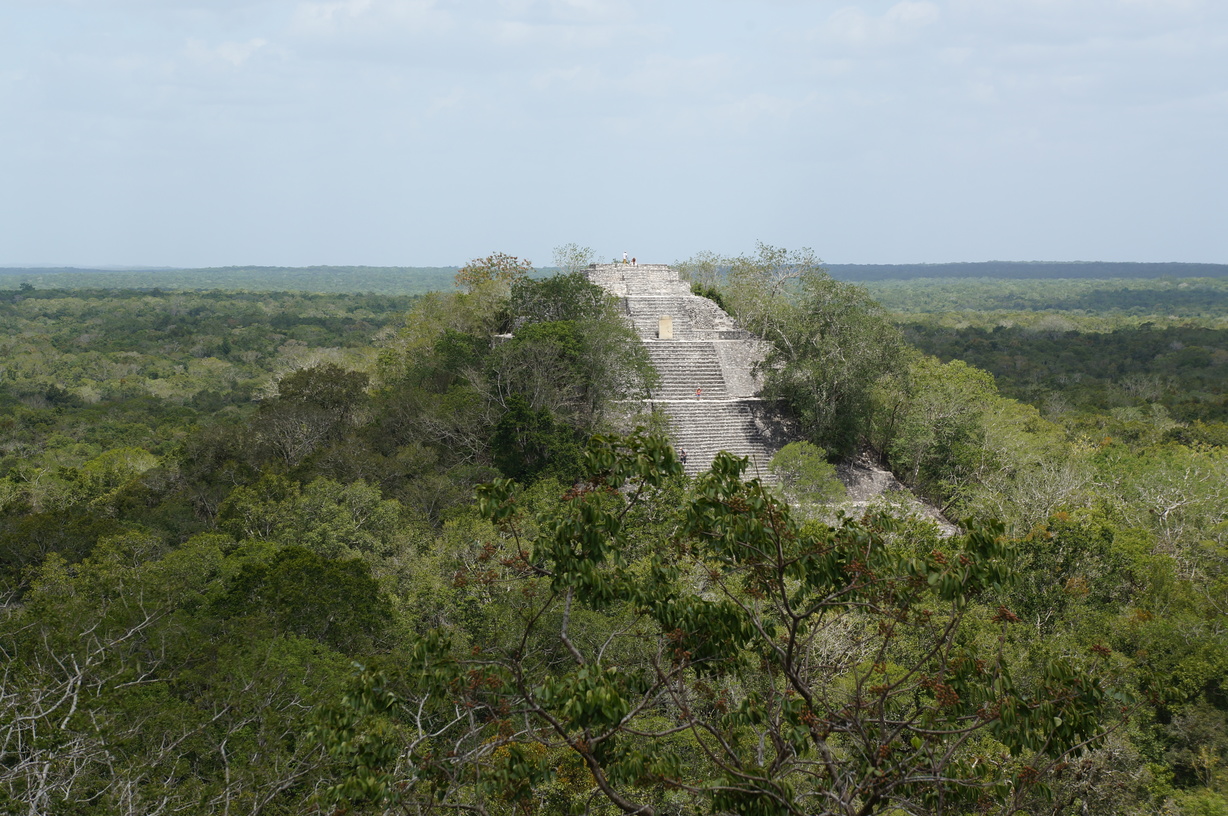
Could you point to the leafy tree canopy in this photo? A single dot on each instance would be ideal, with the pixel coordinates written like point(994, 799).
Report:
point(830, 342)
point(751, 665)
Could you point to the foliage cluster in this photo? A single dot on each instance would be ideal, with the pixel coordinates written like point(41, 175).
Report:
point(1183, 370)
point(1097, 304)
point(830, 343)
point(1115, 478)
point(818, 670)
point(198, 544)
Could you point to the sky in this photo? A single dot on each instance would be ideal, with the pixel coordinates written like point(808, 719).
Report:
point(195, 133)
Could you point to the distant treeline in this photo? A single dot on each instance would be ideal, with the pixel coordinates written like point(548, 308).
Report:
point(381, 280)
point(1026, 269)
point(414, 280)
point(1095, 304)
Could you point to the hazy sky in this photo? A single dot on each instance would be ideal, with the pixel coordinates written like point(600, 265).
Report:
point(429, 132)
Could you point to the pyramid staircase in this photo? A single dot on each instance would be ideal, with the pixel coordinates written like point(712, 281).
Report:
point(708, 389)
point(686, 366)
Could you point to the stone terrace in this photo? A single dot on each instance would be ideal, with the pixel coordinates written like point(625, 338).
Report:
point(695, 345)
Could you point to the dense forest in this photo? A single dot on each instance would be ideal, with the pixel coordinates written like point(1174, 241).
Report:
point(1027, 270)
point(385, 280)
point(364, 553)
point(1081, 304)
point(416, 280)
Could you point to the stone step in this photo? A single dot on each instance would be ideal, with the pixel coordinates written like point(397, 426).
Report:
point(695, 388)
point(708, 351)
point(685, 367)
point(692, 317)
point(705, 429)
point(624, 279)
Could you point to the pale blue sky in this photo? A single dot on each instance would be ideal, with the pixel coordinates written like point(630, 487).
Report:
point(428, 132)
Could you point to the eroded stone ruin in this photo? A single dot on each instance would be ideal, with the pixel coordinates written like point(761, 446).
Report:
point(708, 389)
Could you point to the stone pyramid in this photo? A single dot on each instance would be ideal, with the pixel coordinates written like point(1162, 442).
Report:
point(708, 390)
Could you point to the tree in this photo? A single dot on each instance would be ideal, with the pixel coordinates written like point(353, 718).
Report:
point(572, 355)
point(521, 402)
point(500, 270)
point(325, 386)
point(565, 296)
point(705, 268)
point(122, 691)
point(571, 368)
point(313, 406)
point(931, 424)
point(331, 519)
point(751, 665)
point(297, 591)
point(806, 475)
point(527, 442)
point(830, 342)
point(762, 288)
point(572, 257)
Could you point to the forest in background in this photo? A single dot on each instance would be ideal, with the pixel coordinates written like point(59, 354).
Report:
point(416, 280)
point(212, 504)
point(1027, 270)
point(385, 280)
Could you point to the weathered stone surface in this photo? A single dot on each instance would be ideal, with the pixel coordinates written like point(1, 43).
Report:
point(868, 484)
point(708, 351)
point(708, 391)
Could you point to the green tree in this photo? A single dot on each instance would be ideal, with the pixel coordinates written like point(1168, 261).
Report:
point(935, 417)
point(831, 344)
point(948, 434)
point(331, 519)
point(527, 442)
point(752, 665)
point(705, 268)
point(313, 407)
point(566, 296)
point(806, 475)
point(572, 257)
point(123, 691)
point(499, 270)
point(297, 591)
